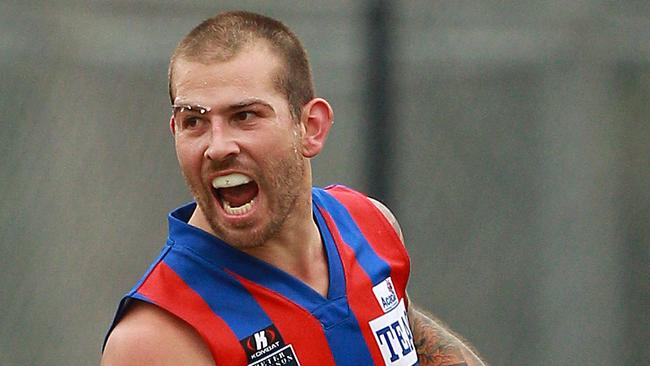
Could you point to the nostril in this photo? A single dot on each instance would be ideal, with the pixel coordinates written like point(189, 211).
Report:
point(221, 150)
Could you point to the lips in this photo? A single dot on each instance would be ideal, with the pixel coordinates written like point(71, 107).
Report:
point(236, 192)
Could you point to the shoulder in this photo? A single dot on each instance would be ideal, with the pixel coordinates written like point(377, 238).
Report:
point(149, 335)
point(389, 216)
point(351, 196)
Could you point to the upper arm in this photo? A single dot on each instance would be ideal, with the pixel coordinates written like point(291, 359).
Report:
point(148, 335)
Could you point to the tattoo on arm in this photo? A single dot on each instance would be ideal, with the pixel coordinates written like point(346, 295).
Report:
point(437, 346)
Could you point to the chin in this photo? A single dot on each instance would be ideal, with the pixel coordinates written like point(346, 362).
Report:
point(245, 236)
point(243, 240)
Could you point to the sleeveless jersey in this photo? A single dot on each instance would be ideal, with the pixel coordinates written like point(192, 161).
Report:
point(249, 312)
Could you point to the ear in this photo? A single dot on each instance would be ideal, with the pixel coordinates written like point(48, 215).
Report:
point(172, 125)
point(317, 118)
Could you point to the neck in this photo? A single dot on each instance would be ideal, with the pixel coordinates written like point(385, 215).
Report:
point(298, 249)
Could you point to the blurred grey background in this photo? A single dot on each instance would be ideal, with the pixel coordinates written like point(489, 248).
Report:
point(510, 138)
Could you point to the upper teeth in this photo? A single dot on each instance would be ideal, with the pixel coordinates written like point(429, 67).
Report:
point(230, 180)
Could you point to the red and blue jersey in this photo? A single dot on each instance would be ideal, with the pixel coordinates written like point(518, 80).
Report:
point(249, 312)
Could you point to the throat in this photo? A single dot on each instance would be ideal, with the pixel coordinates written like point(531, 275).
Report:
point(320, 284)
point(312, 269)
point(305, 262)
point(312, 266)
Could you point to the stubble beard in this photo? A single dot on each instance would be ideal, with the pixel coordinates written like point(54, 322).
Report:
point(283, 185)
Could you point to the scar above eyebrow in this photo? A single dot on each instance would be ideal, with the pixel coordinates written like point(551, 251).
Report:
point(181, 107)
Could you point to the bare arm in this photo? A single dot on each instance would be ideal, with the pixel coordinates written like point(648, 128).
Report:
point(148, 335)
point(437, 345)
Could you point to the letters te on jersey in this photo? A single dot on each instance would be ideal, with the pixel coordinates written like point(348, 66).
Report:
point(394, 337)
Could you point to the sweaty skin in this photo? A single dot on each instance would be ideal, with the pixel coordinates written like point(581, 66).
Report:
point(239, 124)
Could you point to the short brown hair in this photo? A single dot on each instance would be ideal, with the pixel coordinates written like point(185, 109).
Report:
point(221, 37)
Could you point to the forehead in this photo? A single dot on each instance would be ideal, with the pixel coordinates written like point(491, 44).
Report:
point(251, 71)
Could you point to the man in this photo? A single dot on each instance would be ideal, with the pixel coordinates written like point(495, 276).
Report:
point(263, 269)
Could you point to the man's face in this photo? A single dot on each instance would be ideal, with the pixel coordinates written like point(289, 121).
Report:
point(238, 147)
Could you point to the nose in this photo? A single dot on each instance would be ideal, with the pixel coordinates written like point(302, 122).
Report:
point(222, 144)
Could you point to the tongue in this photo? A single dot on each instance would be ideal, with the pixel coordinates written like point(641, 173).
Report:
point(239, 195)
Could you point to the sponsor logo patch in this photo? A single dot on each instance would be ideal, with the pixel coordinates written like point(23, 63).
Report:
point(386, 295)
point(393, 335)
point(262, 343)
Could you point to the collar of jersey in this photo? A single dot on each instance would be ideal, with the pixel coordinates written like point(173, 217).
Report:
point(221, 255)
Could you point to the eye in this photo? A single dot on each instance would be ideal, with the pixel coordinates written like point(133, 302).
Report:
point(191, 122)
point(243, 116)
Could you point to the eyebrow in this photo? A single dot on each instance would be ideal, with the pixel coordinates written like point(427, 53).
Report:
point(248, 103)
point(233, 107)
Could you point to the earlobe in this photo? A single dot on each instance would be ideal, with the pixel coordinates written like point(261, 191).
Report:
point(317, 118)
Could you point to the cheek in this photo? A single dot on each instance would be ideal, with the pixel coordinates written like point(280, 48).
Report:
point(189, 156)
point(281, 141)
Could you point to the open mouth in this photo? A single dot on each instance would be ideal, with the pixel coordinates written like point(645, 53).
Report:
point(236, 192)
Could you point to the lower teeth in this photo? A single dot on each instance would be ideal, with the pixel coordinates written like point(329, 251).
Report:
point(237, 210)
